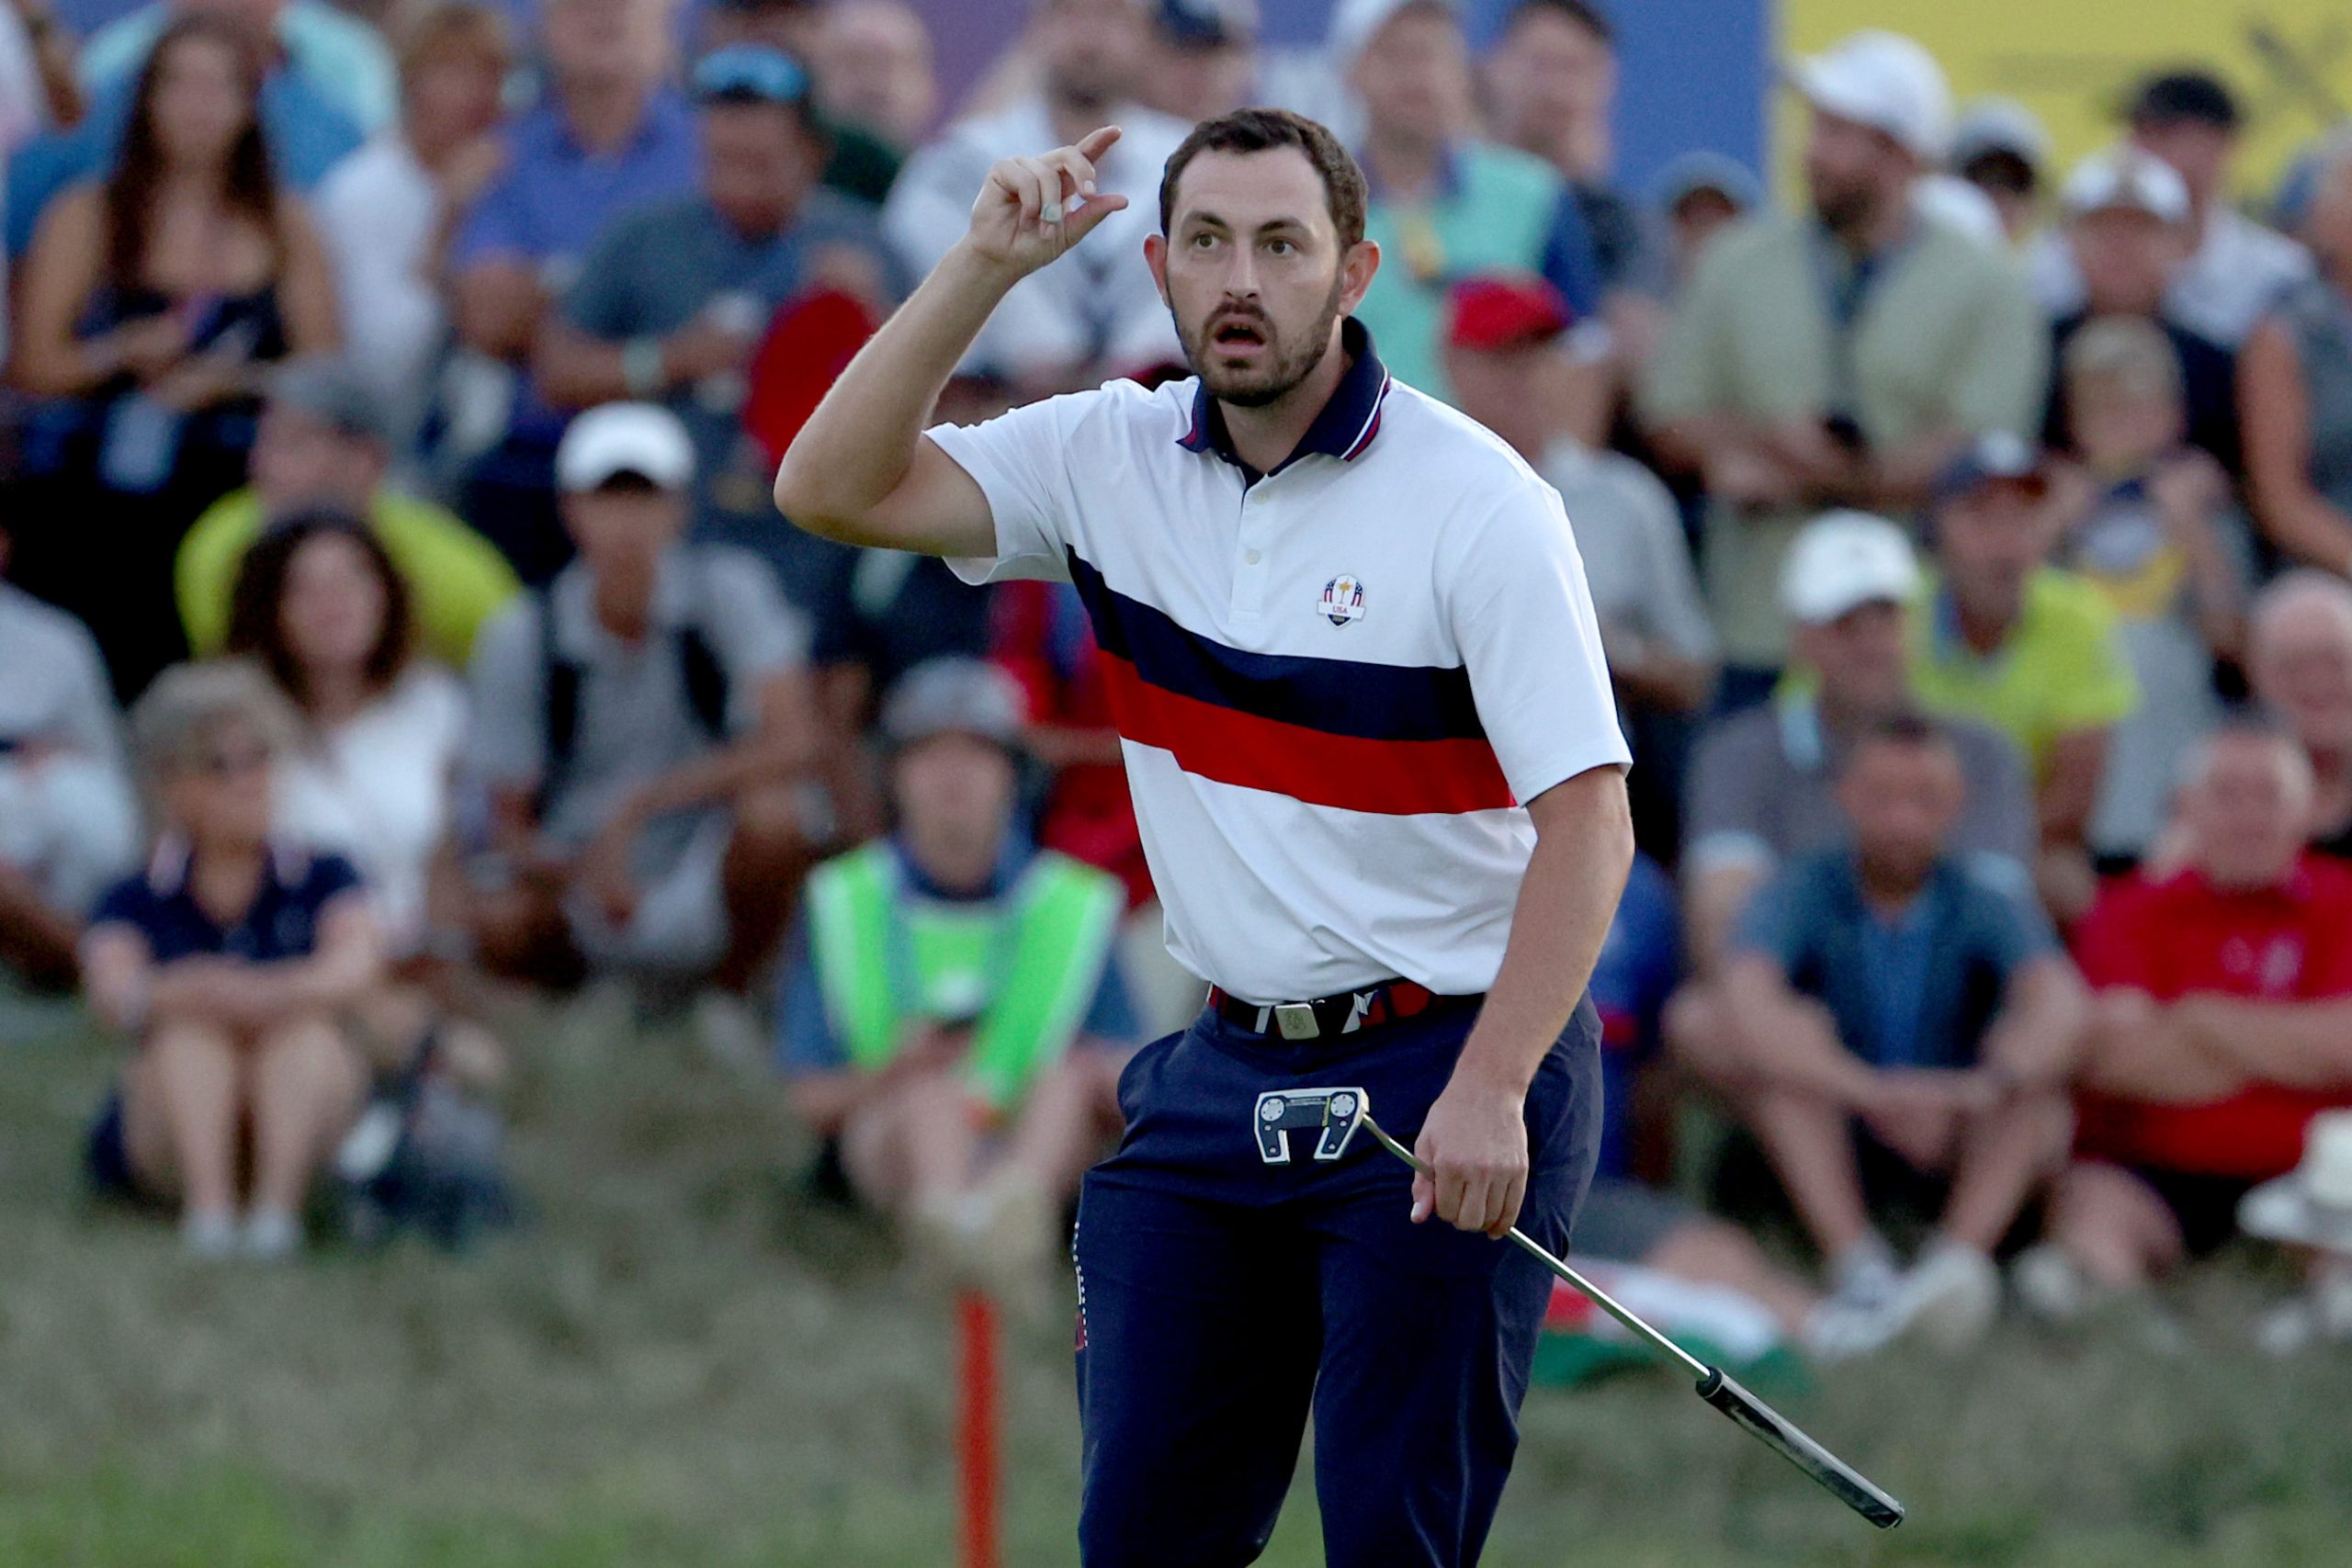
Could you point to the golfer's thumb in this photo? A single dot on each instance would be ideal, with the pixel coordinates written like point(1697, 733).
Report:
point(1424, 1196)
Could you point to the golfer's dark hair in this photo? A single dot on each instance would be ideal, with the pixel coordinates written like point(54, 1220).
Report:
point(1590, 17)
point(1262, 130)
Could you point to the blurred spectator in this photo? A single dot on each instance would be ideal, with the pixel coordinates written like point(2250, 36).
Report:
point(953, 1022)
point(1763, 783)
point(2144, 524)
point(1700, 194)
point(2295, 389)
point(2223, 1021)
point(787, 27)
point(608, 137)
point(150, 304)
point(1551, 85)
point(1096, 311)
point(325, 441)
point(1895, 1035)
point(1444, 204)
point(1841, 357)
point(2299, 661)
point(873, 64)
point(332, 53)
point(638, 723)
point(387, 211)
point(2127, 218)
point(1203, 59)
point(68, 824)
point(37, 90)
point(1625, 1219)
point(2236, 270)
point(229, 959)
point(1998, 147)
point(672, 299)
point(2004, 638)
point(1501, 354)
point(859, 163)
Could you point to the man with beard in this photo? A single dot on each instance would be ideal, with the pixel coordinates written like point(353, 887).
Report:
point(1362, 698)
point(1840, 357)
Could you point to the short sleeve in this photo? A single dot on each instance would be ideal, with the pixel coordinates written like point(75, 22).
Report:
point(806, 1044)
point(1724, 820)
point(1570, 264)
point(1516, 600)
point(754, 631)
point(1677, 615)
point(2015, 930)
point(1776, 923)
point(507, 743)
point(2111, 946)
point(1019, 461)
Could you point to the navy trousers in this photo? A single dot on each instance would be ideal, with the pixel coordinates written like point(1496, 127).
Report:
point(1223, 1299)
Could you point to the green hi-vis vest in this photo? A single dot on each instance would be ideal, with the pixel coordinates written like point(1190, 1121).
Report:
point(1496, 220)
point(1024, 966)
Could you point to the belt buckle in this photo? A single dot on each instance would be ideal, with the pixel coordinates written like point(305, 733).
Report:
point(1296, 1021)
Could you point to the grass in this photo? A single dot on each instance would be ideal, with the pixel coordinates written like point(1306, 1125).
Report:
point(683, 1362)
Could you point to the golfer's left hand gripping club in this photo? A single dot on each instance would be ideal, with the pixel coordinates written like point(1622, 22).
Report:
point(1717, 1387)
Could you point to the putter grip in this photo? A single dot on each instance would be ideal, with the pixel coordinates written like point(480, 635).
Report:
point(1847, 1485)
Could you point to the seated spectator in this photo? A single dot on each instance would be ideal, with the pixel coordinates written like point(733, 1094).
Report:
point(1625, 1219)
point(673, 297)
point(1204, 60)
point(333, 53)
point(970, 1080)
point(860, 165)
point(325, 441)
point(2127, 218)
point(638, 724)
point(1763, 783)
point(1841, 357)
point(2299, 661)
point(2145, 524)
point(1502, 357)
point(387, 211)
point(2000, 147)
point(2236, 268)
point(1895, 1035)
point(1699, 195)
point(1443, 204)
point(68, 824)
point(873, 63)
point(2295, 389)
point(229, 959)
point(2004, 638)
point(149, 307)
point(2222, 1022)
point(1096, 311)
point(304, 125)
point(608, 136)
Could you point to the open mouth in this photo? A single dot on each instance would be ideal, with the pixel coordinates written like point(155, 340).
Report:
point(1238, 337)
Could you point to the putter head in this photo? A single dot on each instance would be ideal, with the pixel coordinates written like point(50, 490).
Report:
point(1331, 1114)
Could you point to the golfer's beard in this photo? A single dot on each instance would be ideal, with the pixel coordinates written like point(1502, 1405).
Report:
point(1253, 387)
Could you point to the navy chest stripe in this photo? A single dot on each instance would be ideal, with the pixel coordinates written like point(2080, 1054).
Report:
point(1336, 696)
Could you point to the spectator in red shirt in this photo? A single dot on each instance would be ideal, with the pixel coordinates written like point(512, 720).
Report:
point(2223, 1022)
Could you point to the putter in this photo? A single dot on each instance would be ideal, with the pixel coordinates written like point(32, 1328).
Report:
point(1717, 1387)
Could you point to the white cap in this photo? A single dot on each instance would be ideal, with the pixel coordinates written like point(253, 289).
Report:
point(2124, 176)
point(1952, 203)
point(1885, 80)
point(1994, 124)
point(625, 438)
point(1356, 21)
point(1842, 560)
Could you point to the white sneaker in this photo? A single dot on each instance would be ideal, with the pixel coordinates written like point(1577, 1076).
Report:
point(2051, 1286)
point(208, 1236)
point(271, 1235)
point(1859, 1314)
point(1951, 1297)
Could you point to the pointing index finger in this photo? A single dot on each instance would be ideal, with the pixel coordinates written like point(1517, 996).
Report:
point(1094, 143)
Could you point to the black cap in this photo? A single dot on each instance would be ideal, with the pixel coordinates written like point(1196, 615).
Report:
point(1208, 24)
point(2178, 95)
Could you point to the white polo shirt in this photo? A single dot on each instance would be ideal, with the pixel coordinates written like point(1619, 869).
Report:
point(1334, 684)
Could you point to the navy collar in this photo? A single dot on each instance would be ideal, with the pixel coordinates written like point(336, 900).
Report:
point(1342, 428)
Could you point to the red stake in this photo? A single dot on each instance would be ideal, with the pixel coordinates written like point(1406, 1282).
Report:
point(976, 1436)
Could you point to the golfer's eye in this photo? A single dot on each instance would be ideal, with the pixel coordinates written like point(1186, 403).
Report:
point(1204, 240)
point(1282, 247)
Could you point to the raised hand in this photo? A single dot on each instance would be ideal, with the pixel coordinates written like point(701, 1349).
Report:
point(1032, 209)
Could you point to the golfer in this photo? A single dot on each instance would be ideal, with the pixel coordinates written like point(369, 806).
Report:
point(1361, 699)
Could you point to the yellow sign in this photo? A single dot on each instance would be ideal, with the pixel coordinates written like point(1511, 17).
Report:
point(2073, 63)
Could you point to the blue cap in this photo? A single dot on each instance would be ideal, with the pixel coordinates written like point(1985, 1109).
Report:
point(1703, 169)
point(1207, 24)
point(748, 74)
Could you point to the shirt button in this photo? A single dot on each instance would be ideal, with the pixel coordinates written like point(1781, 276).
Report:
point(1252, 558)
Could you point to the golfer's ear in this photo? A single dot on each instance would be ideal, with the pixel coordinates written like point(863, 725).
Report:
point(1357, 269)
point(1154, 256)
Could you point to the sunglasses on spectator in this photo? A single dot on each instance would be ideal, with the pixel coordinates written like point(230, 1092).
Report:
point(746, 74)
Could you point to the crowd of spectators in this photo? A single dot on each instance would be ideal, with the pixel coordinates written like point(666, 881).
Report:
point(396, 609)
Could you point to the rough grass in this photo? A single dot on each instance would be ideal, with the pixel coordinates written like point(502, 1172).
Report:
point(682, 1361)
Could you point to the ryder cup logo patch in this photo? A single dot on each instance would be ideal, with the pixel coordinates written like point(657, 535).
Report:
point(1342, 600)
